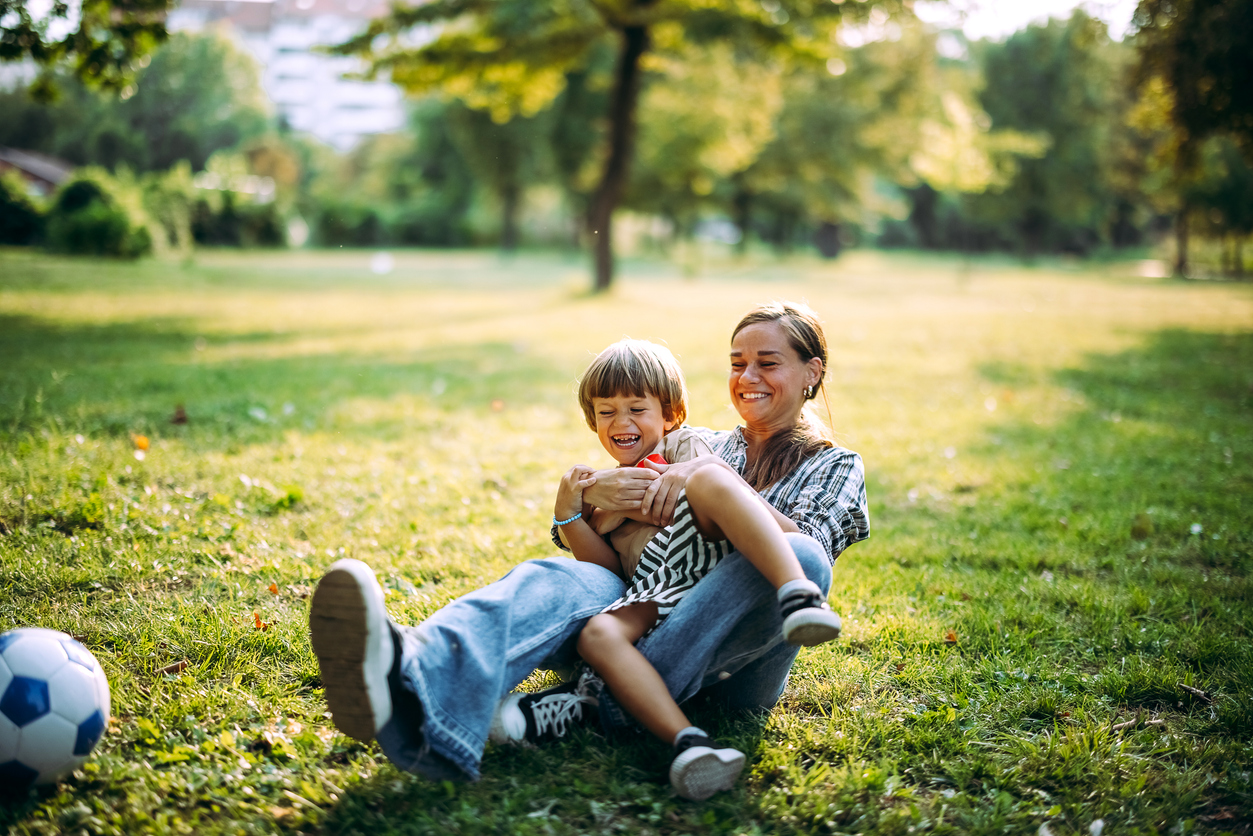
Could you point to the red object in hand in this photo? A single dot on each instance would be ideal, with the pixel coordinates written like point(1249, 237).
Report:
point(655, 458)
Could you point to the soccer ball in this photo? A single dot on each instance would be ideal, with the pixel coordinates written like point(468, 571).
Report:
point(54, 706)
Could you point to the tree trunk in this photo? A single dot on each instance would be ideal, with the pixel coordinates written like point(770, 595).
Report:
point(1239, 247)
point(510, 199)
point(613, 180)
point(1181, 242)
point(742, 209)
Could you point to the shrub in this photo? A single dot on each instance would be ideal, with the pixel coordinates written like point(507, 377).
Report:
point(98, 214)
point(20, 220)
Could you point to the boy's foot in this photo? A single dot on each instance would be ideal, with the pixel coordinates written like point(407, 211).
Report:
point(701, 767)
point(547, 715)
point(352, 638)
point(807, 620)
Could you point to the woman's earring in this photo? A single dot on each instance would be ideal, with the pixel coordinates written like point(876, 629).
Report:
point(809, 392)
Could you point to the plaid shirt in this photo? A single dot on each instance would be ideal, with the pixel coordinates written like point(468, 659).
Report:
point(825, 496)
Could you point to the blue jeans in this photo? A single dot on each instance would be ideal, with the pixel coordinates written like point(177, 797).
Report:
point(726, 634)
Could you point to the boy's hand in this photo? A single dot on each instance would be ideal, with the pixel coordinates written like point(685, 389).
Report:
point(570, 491)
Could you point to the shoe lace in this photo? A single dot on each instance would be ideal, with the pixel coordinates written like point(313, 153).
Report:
point(552, 713)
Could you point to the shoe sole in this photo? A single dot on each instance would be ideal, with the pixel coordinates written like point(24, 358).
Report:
point(339, 627)
point(700, 771)
point(807, 628)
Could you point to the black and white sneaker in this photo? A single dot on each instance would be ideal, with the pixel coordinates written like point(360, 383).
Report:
point(547, 715)
point(807, 620)
point(701, 767)
point(352, 639)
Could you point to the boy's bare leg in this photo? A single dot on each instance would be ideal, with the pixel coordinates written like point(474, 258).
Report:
point(607, 643)
point(727, 509)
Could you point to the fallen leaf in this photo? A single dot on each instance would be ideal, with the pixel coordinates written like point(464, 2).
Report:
point(260, 625)
point(950, 637)
point(177, 667)
point(140, 442)
point(273, 588)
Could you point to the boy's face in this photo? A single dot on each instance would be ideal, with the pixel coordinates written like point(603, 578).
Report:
point(630, 426)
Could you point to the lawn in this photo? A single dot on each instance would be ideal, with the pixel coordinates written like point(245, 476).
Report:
point(1048, 632)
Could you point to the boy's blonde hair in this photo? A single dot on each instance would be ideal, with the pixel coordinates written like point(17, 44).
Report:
point(639, 368)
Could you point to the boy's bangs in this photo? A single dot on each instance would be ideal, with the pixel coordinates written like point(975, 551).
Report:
point(617, 379)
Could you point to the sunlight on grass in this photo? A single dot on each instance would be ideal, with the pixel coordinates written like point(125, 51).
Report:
point(1049, 623)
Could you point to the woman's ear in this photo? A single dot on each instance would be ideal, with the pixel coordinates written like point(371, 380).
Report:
point(814, 377)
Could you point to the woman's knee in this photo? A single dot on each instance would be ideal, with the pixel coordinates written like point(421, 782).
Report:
point(812, 558)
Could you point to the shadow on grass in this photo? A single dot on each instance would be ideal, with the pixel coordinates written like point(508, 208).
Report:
point(1158, 451)
point(584, 784)
point(131, 377)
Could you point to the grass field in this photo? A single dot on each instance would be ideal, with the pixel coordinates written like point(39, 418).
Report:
point(1048, 632)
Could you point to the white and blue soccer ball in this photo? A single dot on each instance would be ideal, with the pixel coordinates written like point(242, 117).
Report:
point(54, 706)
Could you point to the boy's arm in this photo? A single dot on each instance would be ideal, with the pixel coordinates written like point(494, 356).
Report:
point(603, 521)
point(579, 535)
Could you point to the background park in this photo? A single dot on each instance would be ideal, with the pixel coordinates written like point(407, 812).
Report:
point(232, 352)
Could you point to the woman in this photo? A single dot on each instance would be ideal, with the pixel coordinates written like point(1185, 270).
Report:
point(429, 694)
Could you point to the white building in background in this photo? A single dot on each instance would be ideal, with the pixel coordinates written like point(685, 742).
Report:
point(308, 88)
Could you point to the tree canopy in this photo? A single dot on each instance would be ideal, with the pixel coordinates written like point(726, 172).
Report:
point(514, 57)
point(101, 42)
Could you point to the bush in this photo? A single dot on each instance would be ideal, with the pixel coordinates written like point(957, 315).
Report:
point(97, 214)
point(221, 221)
point(20, 220)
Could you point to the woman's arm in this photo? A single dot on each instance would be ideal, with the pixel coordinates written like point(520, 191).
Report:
point(620, 489)
point(826, 499)
point(660, 497)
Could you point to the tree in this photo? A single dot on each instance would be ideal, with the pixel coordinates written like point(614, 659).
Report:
point(109, 44)
point(506, 157)
point(197, 94)
point(1202, 49)
point(514, 57)
point(1060, 80)
point(1196, 72)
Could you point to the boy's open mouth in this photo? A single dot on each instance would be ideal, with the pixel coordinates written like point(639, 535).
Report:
point(626, 440)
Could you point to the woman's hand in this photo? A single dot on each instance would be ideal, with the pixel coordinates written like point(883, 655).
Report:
point(570, 492)
point(619, 489)
point(662, 495)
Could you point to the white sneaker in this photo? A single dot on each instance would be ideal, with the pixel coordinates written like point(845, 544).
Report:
point(701, 767)
point(352, 639)
point(809, 626)
point(807, 620)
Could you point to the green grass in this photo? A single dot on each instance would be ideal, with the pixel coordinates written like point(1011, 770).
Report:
point(1050, 625)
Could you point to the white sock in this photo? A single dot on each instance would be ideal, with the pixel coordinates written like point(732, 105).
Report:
point(688, 731)
point(800, 585)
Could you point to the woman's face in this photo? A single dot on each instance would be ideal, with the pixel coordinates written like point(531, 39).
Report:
point(768, 377)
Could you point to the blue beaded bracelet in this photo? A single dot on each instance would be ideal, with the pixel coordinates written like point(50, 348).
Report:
point(559, 523)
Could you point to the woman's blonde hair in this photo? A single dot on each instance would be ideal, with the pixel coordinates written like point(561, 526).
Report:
point(784, 451)
point(639, 368)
